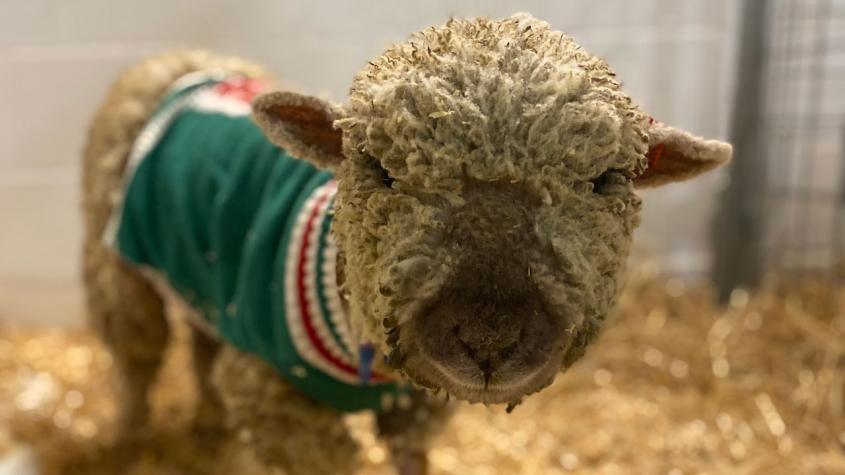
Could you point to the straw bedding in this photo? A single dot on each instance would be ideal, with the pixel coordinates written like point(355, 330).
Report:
point(674, 385)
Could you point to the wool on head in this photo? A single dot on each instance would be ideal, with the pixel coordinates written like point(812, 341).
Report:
point(481, 100)
point(499, 99)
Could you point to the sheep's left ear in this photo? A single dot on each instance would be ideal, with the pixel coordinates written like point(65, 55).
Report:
point(676, 155)
point(302, 125)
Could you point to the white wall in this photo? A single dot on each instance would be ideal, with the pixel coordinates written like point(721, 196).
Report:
point(57, 57)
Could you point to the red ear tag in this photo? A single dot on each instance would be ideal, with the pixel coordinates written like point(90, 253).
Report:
point(654, 155)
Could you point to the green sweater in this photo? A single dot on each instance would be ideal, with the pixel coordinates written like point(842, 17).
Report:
point(240, 229)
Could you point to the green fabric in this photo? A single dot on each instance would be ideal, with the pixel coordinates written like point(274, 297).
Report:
point(211, 208)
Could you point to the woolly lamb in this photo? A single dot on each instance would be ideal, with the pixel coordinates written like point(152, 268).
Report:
point(479, 187)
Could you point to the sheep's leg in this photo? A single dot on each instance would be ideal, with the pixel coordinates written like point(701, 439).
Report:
point(129, 316)
point(209, 411)
point(408, 429)
point(285, 428)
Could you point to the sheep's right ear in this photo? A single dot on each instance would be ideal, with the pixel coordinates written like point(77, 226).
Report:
point(676, 155)
point(302, 125)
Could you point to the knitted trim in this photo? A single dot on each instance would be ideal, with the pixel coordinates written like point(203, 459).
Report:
point(331, 350)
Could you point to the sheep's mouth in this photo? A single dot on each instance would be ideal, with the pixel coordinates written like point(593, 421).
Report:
point(462, 382)
point(448, 366)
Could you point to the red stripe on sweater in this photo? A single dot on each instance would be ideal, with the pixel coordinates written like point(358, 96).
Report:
point(303, 305)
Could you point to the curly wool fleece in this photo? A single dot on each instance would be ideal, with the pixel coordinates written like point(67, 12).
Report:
point(481, 101)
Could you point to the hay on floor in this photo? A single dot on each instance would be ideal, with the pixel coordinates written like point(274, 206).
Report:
point(675, 385)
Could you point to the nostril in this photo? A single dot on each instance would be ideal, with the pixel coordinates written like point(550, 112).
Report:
point(507, 352)
point(486, 354)
point(470, 350)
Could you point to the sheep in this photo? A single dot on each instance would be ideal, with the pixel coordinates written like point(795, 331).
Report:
point(479, 184)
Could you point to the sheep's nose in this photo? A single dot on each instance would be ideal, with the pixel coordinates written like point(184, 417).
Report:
point(489, 346)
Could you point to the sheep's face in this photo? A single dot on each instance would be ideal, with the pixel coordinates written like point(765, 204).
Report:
point(487, 267)
point(486, 199)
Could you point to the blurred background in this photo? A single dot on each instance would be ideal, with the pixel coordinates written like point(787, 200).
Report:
point(676, 58)
point(752, 381)
point(687, 63)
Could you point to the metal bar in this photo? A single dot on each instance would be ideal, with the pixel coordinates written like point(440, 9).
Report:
point(779, 91)
point(813, 104)
point(839, 220)
point(738, 229)
point(793, 125)
point(804, 194)
point(798, 57)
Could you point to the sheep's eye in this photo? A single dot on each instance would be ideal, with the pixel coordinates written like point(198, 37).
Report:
point(384, 175)
point(609, 182)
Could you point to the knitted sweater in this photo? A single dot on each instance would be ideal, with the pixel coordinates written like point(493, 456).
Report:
point(240, 230)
